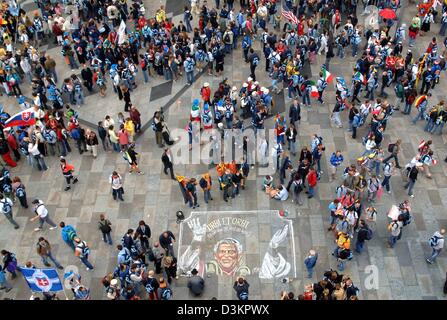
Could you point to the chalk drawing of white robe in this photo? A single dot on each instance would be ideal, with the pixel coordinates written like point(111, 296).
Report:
point(274, 265)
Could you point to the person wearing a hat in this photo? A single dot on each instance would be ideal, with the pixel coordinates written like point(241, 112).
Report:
point(113, 290)
point(207, 117)
point(196, 284)
point(206, 92)
point(42, 214)
point(195, 111)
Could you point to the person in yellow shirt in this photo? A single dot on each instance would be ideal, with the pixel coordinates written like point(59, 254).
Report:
point(129, 126)
point(205, 183)
point(160, 16)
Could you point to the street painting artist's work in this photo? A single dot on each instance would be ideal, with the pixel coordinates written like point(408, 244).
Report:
point(231, 243)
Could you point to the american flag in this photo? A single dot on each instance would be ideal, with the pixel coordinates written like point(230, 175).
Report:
point(286, 13)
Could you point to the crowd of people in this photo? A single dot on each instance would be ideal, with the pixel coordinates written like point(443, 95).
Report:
point(92, 40)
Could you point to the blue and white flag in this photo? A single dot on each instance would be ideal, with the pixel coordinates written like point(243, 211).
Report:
point(42, 280)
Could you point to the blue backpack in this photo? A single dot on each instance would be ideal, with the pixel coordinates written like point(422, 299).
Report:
point(75, 134)
point(243, 295)
point(6, 206)
point(7, 188)
point(20, 191)
point(166, 294)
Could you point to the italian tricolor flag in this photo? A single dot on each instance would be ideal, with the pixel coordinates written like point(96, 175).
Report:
point(313, 89)
point(327, 76)
point(359, 77)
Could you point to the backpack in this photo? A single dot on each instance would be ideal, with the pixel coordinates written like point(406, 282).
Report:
point(75, 134)
point(298, 186)
point(406, 218)
point(369, 234)
point(227, 38)
point(7, 188)
point(166, 294)
point(104, 226)
point(7, 208)
point(149, 288)
point(203, 183)
point(190, 187)
point(85, 249)
point(20, 191)
point(433, 241)
point(391, 147)
point(243, 295)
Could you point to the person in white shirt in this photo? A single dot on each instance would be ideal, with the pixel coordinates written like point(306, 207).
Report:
point(26, 68)
point(117, 186)
point(395, 229)
point(6, 208)
point(35, 153)
point(369, 146)
point(42, 214)
point(437, 244)
point(282, 193)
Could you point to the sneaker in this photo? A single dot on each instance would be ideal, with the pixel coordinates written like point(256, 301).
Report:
point(88, 269)
point(37, 229)
point(412, 196)
point(389, 192)
point(16, 227)
point(60, 267)
point(429, 261)
point(67, 188)
point(47, 265)
point(9, 289)
point(141, 173)
point(75, 180)
point(52, 228)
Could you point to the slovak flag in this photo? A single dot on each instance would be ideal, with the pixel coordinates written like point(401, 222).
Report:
point(23, 118)
point(42, 280)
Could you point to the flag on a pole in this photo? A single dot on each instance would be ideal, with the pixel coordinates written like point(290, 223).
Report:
point(313, 89)
point(23, 118)
point(419, 100)
point(42, 280)
point(286, 13)
point(121, 33)
point(358, 76)
point(328, 77)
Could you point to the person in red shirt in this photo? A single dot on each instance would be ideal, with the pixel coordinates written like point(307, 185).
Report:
point(311, 181)
point(206, 92)
point(4, 152)
point(12, 143)
point(135, 116)
point(67, 171)
point(301, 28)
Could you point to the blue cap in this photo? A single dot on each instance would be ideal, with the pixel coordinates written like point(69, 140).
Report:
point(195, 102)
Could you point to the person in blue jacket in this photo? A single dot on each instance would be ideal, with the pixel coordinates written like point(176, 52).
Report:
point(336, 160)
point(310, 262)
point(68, 233)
